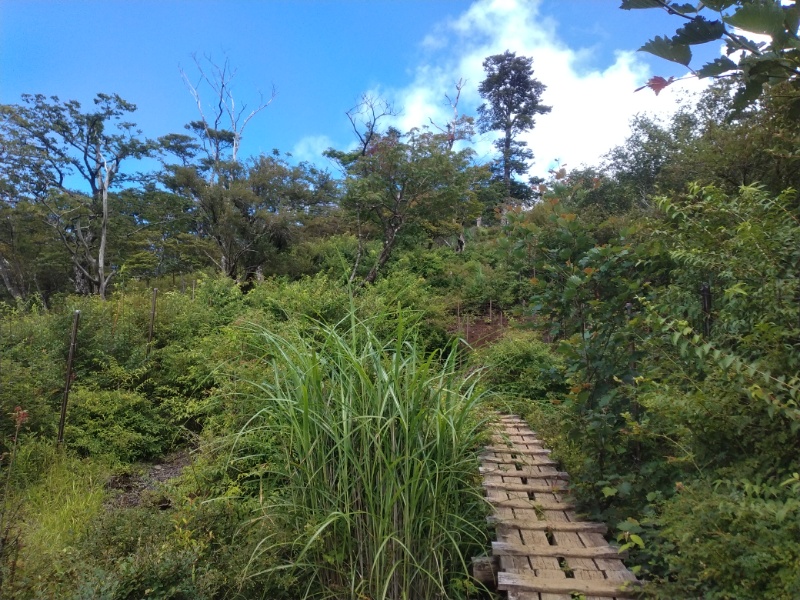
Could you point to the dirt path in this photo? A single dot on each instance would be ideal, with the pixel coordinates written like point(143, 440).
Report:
point(134, 488)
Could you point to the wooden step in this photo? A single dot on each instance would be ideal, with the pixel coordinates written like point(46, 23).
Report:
point(506, 549)
point(587, 587)
point(511, 471)
point(539, 462)
point(530, 525)
point(533, 504)
point(524, 487)
point(518, 450)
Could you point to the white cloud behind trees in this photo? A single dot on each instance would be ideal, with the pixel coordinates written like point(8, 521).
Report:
point(591, 107)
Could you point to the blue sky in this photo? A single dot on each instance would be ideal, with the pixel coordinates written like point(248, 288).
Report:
point(321, 55)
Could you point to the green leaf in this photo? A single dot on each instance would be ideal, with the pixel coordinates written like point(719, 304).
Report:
point(629, 4)
point(664, 48)
point(748, 94)
point(699, 31)
point(792, 18)
point(764, 18)
point(609, 491)
point(682, 8)
point(637, 540)
point(794, 109)
point(719, 5)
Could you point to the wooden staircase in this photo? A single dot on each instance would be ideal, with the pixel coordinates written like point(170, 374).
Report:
point(545, 552)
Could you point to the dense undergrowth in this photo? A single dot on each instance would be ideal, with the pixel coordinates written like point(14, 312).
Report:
point(279, 393)
point(651, 330)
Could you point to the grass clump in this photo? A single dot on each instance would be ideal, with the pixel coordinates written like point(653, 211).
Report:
point(376, 471)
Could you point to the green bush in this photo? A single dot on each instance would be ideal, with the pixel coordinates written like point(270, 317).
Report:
point(119, 424)
point(522, 365)
point(730, 540)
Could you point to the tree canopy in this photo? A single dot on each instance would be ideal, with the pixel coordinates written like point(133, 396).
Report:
point(513, 99)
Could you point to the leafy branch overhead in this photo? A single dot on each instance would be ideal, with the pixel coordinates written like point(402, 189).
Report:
point(737, 23)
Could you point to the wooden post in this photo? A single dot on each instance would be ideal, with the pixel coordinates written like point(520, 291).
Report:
point(152, 322)
point(73, 343)
point(484, 570)
point(491, 312)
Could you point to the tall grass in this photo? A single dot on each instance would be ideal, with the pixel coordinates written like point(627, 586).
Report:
point(377, 470)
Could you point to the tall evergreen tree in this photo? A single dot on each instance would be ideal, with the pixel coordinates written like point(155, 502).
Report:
point(513, 99)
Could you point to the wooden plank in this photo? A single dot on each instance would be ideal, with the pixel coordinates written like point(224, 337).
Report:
point(484, 570)
point(615, 569)
point(547, 567)
point(519, 450)
point(580, 526)
point(528, 503)
point(544, 462)
point(525, 487)
point(531, 583)
point(511, 471)
point(581, 568)
point(522, 438)
point(506, 549)
point(540, 538)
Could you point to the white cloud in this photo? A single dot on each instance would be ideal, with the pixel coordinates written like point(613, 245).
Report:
point(591, 109)
point(311, 147)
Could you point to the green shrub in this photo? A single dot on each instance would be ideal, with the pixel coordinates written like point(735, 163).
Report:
point(522, 365)
point(119, 424)
point(730, 540)
point(317, 297)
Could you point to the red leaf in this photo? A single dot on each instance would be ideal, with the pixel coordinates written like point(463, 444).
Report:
point(656, 84)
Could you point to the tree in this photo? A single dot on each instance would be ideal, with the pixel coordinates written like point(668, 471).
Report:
point(759, 64)
point(220, 130)
point(67, 160)
point(240, 215)
point(410, 182)
point(513, 99)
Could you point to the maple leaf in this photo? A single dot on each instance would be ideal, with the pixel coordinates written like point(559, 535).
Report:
point(656, 84)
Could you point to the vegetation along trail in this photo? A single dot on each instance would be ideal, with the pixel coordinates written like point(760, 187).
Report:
point(285, 380)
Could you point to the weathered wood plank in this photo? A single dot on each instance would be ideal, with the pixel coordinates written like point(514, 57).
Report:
point(519, 450)
point(506, 549)
point(531, 583)
point(580, 526)
point(547, 567)
point(511, 471)
point(540, 538)
point(528, 503)
point(544, 462)
point(525, 487)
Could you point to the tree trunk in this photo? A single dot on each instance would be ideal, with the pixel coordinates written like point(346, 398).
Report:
point(388, 246)
point(506, 178)
point(105, 183)
point(8, 279)
point(83, 286)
